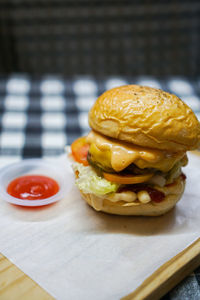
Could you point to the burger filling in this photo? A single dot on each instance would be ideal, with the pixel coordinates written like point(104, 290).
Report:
point(126, 173)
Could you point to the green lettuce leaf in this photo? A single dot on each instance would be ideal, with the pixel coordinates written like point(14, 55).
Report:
point(90, 182)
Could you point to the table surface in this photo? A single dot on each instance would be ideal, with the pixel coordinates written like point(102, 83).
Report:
point(39, 116)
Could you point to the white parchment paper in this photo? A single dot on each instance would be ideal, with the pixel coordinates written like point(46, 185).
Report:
point(76, 253)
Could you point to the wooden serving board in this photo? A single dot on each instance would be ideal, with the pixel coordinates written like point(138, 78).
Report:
point(168, 275)
point(15, 285)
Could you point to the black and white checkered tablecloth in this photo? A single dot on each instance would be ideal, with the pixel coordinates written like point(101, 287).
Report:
point(39, 116)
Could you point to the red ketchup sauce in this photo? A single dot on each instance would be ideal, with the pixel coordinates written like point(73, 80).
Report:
point(33, 187)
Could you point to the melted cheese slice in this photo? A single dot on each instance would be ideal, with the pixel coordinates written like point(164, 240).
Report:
point(118, 155)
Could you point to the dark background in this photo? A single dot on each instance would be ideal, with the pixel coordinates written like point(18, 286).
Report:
point(100, 37)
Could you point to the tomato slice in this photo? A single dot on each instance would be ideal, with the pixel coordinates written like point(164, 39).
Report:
point(127, 179)
point(80, 150)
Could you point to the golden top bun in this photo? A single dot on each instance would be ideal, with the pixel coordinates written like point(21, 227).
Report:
point(147, 117)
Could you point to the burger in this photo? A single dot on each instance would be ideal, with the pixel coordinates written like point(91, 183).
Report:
point(131, 161)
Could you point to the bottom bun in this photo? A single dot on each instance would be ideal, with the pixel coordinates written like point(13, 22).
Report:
point(136, 208)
